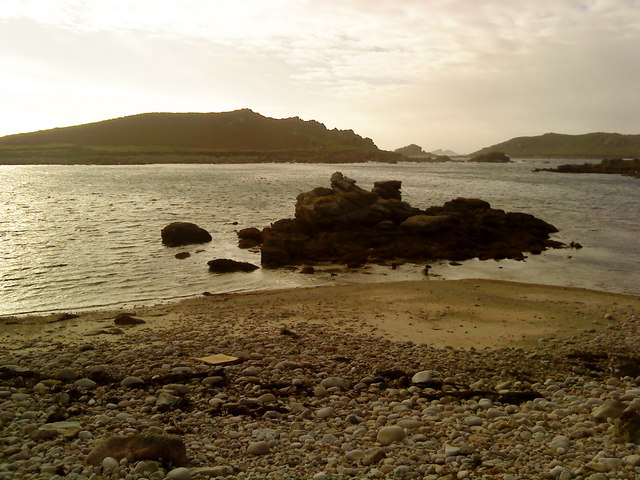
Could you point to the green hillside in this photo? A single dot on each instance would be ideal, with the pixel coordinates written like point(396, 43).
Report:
point(238, 136)
point(556, 145)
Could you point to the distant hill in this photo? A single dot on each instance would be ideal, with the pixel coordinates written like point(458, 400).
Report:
point(238, 136)
point(448, 153)
point(415, 153)
point(412, 150)
point(556, 145)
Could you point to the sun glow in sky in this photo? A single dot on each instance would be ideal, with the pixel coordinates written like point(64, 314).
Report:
point(440, 73)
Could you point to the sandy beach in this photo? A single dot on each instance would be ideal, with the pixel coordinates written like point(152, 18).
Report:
point(479, 379)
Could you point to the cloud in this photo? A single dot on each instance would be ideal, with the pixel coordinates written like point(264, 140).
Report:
point(437, 72)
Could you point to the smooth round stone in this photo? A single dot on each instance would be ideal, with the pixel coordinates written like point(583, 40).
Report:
point(451, 451)
point(424, 376)
point(214, 380)
point(258, 448)
point(354, 455)
point(325, 412)
point(409, 423)
point(85, 435)
point(180, 473)
point(250, 371)
point(131, 382)
point(85, 383)
point(473, 421)
point(390, 434)
point(339, 382)
point(321, 476)
point(109, 463)
point(66, 375)
point(560, 473)
point(267, 398)
point(328, 438)
point(560, 442)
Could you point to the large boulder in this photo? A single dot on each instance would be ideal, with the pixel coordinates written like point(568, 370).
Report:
point(184, 233)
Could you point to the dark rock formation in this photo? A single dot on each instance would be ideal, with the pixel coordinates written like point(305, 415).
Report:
point(169, 449)
point(412, 150)
point(249, 237)
point(348, 225)
point(127, 319)
point(491, 157)
point(630, 167)
point(183, 233)
point(225, 265)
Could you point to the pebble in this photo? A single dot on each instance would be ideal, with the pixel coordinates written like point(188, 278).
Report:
point(180, 473)
point(258, 448)
point(253, 420)
point(423, 376)
point(132, 382)
point(390, 434)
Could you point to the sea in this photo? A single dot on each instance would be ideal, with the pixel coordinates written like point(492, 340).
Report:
point(85, 236)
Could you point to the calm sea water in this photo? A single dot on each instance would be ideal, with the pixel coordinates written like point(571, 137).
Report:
point(79, 236)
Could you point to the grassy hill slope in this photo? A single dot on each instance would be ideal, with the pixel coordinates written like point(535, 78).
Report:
point(241, 135)
point(590, 145)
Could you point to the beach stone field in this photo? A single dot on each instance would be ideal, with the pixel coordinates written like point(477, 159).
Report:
point(228, 393)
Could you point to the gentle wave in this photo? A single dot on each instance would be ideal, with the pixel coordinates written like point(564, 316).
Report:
point(76, 236)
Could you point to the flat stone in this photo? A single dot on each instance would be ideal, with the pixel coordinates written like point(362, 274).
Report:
point(325, 412)
point(218, 359)
point(339, 382)
point(85, 383)
point(66, 375)
point(129, 382)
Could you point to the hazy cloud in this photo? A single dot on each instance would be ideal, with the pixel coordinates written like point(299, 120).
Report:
point(441, 73)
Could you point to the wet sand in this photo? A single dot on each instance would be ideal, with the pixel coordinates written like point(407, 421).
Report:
point(457, 313)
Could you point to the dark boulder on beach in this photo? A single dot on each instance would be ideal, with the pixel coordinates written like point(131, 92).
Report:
point(184, 233)
point(347, 225)
point(225, 265)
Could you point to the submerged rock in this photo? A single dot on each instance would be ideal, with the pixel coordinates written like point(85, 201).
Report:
point(184, 233)
point(225, 265)
point(348, 225)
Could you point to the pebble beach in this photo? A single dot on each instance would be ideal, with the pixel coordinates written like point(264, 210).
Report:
point(430, 380)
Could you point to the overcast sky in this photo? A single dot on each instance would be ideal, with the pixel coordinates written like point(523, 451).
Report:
point(455, 74)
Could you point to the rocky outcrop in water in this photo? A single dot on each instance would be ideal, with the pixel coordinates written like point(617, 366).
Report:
point(629, 167)
point(491, 157)
point(225, 265)
point(348, 225)
point(184, 233)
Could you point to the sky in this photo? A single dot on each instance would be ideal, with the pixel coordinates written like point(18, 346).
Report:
point(452, 74)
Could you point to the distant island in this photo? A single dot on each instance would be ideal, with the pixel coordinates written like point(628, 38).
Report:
point(416, 153)
point(629, 167)
point(556, 145)
point(240, 136)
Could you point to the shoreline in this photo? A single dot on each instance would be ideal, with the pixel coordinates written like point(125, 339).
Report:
point(435, 312)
